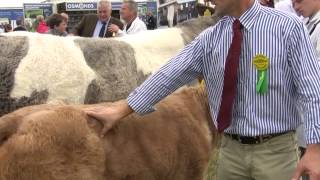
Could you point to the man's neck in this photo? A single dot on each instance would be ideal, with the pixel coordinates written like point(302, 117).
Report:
point(105, 20)
point(314, 14)
point(131, 20)
point(243, 7)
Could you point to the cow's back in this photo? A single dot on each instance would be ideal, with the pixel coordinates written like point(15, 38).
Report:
point(172, 143)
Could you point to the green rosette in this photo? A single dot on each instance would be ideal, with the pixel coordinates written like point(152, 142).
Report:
point(261, 63)
point(262, 84)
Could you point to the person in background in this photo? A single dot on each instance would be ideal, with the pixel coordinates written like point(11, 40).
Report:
point(310, 9)
point(20, 25)
point(42, 26)
point(93, 25)
point(151, 21)
point(57, 25)
point(268, 3)
point(260, 69)
point(129, 13)
point(1, 28)
point(66, 19)
point(7, 28)
point(28, 24)
point(285, 6)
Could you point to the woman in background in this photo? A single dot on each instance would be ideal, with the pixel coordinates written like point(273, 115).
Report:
point(42, 26)
point(57, 24)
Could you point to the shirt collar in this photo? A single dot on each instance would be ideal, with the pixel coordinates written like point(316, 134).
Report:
point(315, 18)
point(107, 22)
point(249, 17)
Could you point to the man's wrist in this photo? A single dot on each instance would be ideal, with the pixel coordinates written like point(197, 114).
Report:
point(313, 147)
point(124, 108)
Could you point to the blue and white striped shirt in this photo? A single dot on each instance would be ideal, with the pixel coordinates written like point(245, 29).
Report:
point(293, 74)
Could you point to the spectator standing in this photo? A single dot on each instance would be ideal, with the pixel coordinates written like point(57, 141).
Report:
point(42, 25)
point(7, 28)
point(57, 25)
point(151, 21)
point(310, 9)
point(20, 25)
point(66, 19)
point(93, 25)
point(129, 13)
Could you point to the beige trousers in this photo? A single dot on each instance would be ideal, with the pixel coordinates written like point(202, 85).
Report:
point(275, 159)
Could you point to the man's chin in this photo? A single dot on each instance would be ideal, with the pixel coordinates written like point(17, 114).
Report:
point(103, 19)
point(219, 13)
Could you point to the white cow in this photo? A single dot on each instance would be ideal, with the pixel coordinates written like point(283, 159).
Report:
point(37, 68)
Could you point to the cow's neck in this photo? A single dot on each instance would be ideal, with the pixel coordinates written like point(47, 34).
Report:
point(202, 95)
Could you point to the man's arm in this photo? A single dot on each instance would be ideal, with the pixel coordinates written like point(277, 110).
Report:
point(138, 26)
point(306, 75)
point(181, 69)
point(309, 164)
point(77, 30)
point(117, 22)
point(115, 28)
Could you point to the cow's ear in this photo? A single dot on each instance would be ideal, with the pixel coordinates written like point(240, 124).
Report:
point(8, 126)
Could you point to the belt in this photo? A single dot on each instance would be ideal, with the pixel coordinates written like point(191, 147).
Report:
point(253, 139)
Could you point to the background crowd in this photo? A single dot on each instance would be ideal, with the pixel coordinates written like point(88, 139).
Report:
point(91, 25)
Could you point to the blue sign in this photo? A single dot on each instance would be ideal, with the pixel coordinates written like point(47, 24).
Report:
point(149, 5)
point(152, 6)
point(80, 6)
point(12, 14)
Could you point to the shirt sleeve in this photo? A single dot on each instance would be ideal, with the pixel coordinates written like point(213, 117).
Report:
point(306, 74)
point(121, 33)
point(181, 69)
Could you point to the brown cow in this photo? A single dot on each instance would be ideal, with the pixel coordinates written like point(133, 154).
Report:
point(59, 142)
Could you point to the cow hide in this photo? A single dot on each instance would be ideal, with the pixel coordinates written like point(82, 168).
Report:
point(58, 142)
point(37, 68)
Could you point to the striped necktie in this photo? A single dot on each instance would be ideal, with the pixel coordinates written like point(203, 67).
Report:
point(102, 30)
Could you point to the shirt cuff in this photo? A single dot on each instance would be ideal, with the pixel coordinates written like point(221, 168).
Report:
point(136, 102)
point(313, 135)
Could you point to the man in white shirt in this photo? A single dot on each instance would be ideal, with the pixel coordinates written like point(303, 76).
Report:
point(310, 9)
point(285, 6)
point(129, 13)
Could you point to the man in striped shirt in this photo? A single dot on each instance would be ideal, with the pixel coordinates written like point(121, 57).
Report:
point(259, 143)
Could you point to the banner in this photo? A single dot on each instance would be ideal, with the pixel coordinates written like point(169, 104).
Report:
point(81, 6)
point(12, 14)
point(31, 10)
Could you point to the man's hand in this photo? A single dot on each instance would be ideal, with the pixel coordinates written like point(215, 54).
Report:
point(310, 163)
point(113, 28)
point(9, 125)
point(110, 115)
